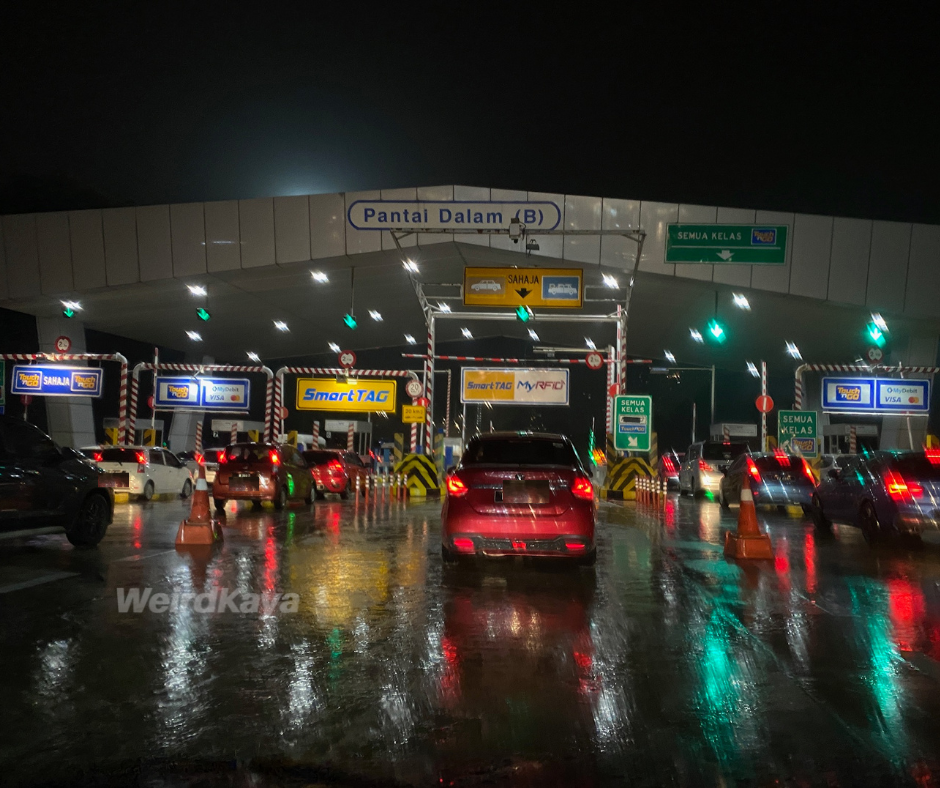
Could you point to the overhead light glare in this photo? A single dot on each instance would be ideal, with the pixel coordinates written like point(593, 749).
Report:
point(319, 276)
point(253, 356)
point(696, 335)
point(410, 339)
point(411, 266)
point(198, 290)
point(669, 357)
point(280, 325)
point(794, 351)
point(466, 332)
point(741, 302)
point(334, 347)
point(533, 335)
point(879, 321)
point(753, 369)
point(610, 281)
point(590, 343)
point(376, 316)
point(195, 336)
point(443, 307)
point(72, 305)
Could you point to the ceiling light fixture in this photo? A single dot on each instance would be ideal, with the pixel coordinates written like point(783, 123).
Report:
point(610, 281)
point(410, 266)
point(198, 290)
point(319, 276)
point(533, 335)
point(253, 356)
point(466, 332)
point(741, 301)
point(794, 351)
point(443, 307)
point(879, 321)
point(696, 335)
point(590, 343)
point(195, 336)
point(753, 369)
point(669, 357)
point(335, 348)
point(376, 316)
point(280, 325)
point(410, 339)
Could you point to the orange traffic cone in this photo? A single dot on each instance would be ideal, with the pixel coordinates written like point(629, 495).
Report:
point(748, 542)
point(198, 528)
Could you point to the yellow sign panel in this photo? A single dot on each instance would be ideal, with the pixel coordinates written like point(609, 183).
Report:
point(352, 396)
point(412, 414)
point(535, 287)
point(488, 384)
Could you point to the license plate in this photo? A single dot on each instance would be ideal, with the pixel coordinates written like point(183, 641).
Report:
point(243, 483)
point(114, 480)
point(536, 492)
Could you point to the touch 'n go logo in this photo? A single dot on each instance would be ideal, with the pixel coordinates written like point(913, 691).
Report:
point(29, 380)
point(177, 392)
point(88, 382)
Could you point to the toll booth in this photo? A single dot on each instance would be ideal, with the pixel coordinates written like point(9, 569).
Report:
point(245, 430)
point(739, 433)
point(337, 434)
point(385, 457)
point(451, 452)
point(837, 438)
point(144, 434)
point(301, 440)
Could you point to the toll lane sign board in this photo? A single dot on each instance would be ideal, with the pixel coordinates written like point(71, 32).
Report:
point(347, 396)
point(734, 244)
point(452, 215)
point(535, 287)
point(875, 395)
point(202, 393)
point(514, 386)
point(56, 381)
point(799, 427)
point(633, 414)
point(413, 414)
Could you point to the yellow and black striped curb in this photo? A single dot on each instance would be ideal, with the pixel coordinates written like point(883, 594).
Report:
point(620, 484)
point(420, 474)
point(399, 449)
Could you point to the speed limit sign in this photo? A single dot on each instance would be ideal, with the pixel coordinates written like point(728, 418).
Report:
point(347, 359)
point(413, 388)
point(63, 344)
point(594, 360)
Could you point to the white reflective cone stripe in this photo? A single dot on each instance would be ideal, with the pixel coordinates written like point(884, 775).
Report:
point(201, 484)
point(746, 495)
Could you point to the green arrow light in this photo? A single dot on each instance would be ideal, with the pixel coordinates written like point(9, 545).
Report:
point(350, 322)
point(876, 335)
point(68, 312)
point(523, 314)
point(717, 331)
point(203, 314)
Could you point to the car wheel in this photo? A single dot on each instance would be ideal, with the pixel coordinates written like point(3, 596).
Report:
point(723, 502)
point(219, 504)
point(344, 495)
point(281, 501)
point(822, 522)
point(868, 522)
point(187, 489)
point(447, 556)
point(588, 560)
point(91, 523)
point(147, 494)
point(311, 494)
point(320, 495)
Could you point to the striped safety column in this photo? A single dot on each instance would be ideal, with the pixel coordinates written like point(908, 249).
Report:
point(234, 432)
point(429, 393)
point(853, 439)
point(198, 446)
point(621, 351)
point(316, 433)
point(351, 439)
point(610, 382)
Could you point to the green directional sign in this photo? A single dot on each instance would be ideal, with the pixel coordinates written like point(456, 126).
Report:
point(733, 244)
point(633, 422)
point(799, 427)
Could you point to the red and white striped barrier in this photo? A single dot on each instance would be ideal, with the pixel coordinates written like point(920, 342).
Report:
point(54, 357)
point(798, 375)
point(350, 440)
point(316, 433)
point(234, 435)
point(429, 393)
point(521, 360)
point(198, 446)
point(135, 384)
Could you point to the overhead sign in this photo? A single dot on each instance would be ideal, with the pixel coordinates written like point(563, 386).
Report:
point(201, 393)
point(535, 287)
point(800, 428)
point(514, 386)
point(347, 396)
point(56, 381)
point(633, 421)
point(875, 395)
point(452, 215)
point(736, 244)
point(413, 414)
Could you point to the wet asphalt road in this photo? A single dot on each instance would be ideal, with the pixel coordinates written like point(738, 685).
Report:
point(665, 664)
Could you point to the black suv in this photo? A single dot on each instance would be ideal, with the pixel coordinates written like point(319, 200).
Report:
point(42, 485)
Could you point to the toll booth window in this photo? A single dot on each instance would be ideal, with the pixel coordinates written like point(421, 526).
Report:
point(514, 451)
point(119, 455)
point(723, 451)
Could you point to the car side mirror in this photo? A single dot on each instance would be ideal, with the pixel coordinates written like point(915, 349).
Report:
point(834, 473)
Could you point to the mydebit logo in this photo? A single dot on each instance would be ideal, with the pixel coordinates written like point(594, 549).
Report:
point(29, 380)
point(848, 393)
point(177, 392)
point(87, 382)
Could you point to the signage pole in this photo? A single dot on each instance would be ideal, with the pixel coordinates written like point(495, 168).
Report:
point(156, 367)
point(763, 416)
point(713, 394)
point(693, 421)
point(463, 427)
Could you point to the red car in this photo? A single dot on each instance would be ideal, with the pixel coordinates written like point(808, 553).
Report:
point(336, 471)
point(519, 493)
point(262, 472)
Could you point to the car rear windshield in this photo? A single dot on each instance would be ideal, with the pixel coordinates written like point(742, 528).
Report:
point(212, 455)
point(784, 464)
point(249, 452)
point(320, 457)
point(520, 451)
point(119, 455)
point(918, 466)
point(723, 451)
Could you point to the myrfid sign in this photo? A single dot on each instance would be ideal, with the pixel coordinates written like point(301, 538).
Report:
point(451, 215)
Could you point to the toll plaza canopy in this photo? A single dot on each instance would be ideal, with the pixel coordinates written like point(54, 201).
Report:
point(256, 256)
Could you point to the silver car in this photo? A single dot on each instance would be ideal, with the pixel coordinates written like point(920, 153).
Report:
point(704, 465)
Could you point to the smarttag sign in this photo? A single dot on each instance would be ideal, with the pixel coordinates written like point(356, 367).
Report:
point(56, 381)
point(202, 393)
point(514, 386)
point(347, 396)
point(633, 422)
point(799, 428)
point(451, 215)
point(875, 395)
point(736, 244)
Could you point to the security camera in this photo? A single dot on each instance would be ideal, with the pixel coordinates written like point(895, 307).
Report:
point(516, 228)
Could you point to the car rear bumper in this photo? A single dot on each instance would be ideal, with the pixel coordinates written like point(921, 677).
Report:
point(565, 546)
point(915, 522)
point(782, 496)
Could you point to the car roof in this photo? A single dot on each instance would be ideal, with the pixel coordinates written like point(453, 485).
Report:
point(547, 436)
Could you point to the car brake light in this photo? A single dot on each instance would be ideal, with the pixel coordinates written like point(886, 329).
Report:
point(704, 466)
point(670, 465)
point(899, 489)
point(463, 543)
point(582, 488)
point(97, 456)
point(456, 488)
point(575, 547)
point(809, 472)
point(334, 466)
point(782, 459)
point(223, 458)
point(200, 459)
point(933, 456)
point(141, 458)
point(752, 469)
point(274, 457)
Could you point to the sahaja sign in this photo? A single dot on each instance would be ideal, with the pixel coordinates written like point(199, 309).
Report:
point(451, 215)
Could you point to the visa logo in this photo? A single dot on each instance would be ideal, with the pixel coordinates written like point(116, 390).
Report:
point(177, 392)
point(30, 380)
point(84, 381)
point(848, 393)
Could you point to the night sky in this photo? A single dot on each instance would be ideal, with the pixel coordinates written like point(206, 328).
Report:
point(828, 113)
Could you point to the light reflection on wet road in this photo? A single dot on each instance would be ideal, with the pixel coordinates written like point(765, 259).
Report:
point(665, 664)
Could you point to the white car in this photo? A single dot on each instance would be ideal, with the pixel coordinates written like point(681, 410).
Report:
point(486, 284)
point(562, 288)
point(142, 471)
point(209, 459)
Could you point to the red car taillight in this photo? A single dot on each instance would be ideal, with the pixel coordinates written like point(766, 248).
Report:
point(200, 459)
point(669, 465)
point(97, 456)
point(456, 488)
point(575, 547)
point(704, 466)
point(141, 461)
point(582, 488)
point(334, 466)
point(899, 489)
point(274, 457)
point(752, 469)
point(808, 472)
point(463, 543)
point(223, 458)
point(933, 456)
point(782, 459)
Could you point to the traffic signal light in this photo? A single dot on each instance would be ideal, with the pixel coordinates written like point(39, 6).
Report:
point(203, 314)
point(523, 313)
point(716, 331)
point(350, 321)
point(875, 335)
point(68, 312)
